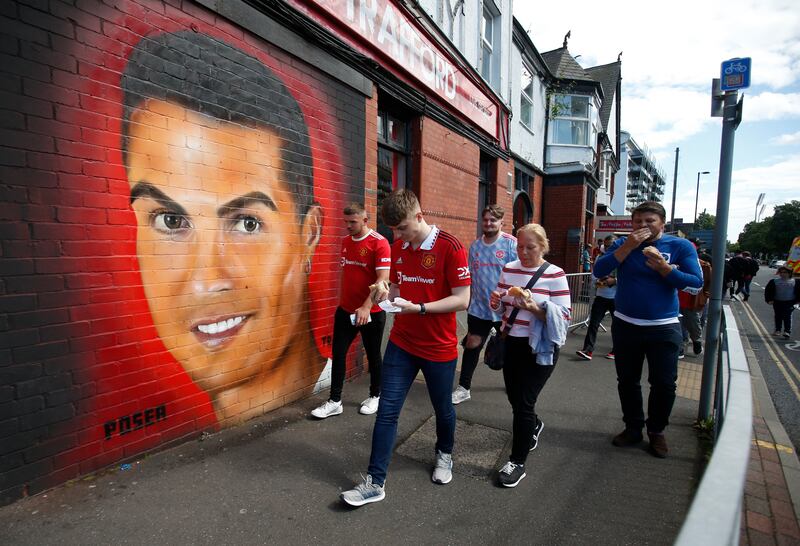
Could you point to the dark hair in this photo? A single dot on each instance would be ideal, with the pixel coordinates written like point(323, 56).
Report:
point(354, 208)
point(397, 206)
point(784, 268)
point(650, 206)
point(495, 210)
point(211, 77)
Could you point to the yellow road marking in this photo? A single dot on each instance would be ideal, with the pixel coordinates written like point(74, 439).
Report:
point(778, 358)
point(770, 445)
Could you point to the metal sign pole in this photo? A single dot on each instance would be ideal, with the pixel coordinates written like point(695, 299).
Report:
point(731, 115)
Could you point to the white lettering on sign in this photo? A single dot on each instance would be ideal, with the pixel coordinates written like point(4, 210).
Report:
point(389, 30)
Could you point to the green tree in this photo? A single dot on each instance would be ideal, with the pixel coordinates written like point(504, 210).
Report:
point(755, 237)
point(705, 221)
point(785, 226)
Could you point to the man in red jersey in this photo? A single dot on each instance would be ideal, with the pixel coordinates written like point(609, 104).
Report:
point(365, 261)
point(430, 282)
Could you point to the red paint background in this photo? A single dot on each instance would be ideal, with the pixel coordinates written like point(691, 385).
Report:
point(111, 331)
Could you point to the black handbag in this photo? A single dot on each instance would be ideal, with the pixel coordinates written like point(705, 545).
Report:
point(495, 352)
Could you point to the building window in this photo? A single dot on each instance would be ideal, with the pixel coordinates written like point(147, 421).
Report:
point(488, 49)
point(526, 97)
point(486, 178)
point(522, 181)
point(393, 159)
point(571, 118)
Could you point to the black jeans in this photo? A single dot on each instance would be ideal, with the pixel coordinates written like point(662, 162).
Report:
point(343, 335)
point(600, 306)
point(660, 344)
point(524, 380)
point(783, 315)
point(469, 359)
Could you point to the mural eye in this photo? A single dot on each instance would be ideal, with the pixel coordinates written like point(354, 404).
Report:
point(247, 224)
point(169, 221)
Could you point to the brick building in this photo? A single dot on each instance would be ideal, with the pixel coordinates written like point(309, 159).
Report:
point(173, 174)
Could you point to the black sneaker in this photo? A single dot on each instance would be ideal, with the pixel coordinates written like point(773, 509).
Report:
point(681, 354)
point(536, 432)
point(511, 474)
point(697, 347)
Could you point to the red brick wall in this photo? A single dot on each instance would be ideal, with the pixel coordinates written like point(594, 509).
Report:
point(89, 376)
point(564, 210)
point(448, 180)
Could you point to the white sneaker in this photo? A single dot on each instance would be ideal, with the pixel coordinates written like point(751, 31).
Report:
point(370, 405)
point(461, 395)
point(364, 493)
point(443, 469)
point(328, 409)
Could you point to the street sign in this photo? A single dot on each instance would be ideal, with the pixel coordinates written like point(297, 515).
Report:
point(735, 74)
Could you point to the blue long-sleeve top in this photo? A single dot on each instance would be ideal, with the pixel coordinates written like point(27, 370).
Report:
point(642, 293)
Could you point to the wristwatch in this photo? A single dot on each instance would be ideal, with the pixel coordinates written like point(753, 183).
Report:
point(422, 309)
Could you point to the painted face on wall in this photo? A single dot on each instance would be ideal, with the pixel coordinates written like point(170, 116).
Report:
point(223, 255)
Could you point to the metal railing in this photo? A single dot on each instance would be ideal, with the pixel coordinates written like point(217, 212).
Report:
point(581, 292)
point(715, 514)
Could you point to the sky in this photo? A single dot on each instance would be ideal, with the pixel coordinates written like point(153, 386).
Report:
point(670, 53)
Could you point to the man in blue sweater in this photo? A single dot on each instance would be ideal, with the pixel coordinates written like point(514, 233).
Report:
point(651, 268)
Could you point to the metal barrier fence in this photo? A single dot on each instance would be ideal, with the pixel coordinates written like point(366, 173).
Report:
point(581, 292)
point(716, 510)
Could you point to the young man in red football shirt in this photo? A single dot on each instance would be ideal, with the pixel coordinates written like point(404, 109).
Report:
point(430, 281)
point(365, 261)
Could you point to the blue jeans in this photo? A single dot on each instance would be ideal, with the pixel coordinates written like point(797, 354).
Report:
point(660, 344)
point(400, 368)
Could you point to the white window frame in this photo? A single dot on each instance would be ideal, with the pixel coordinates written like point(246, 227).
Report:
point(587, 121)
point(525, 98)
point(488, 50)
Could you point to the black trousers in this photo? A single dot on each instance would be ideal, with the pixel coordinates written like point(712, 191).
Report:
point(469, 359)
point(600, 307)
point(344, 332)
point(524, 380)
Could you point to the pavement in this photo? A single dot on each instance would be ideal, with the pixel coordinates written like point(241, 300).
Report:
point(277, 478)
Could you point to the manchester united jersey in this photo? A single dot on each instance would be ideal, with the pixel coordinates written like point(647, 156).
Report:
point(360, 260)
point(485, 264)
point(428, 274)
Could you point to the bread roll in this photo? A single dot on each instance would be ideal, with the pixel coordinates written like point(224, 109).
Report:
point(517, 292)
point(649, 251)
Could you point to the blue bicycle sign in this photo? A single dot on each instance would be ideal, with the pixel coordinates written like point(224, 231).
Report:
point(735, 74)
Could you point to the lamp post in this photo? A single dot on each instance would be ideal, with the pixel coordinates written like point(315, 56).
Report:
point(697, 197)
point(758, 204)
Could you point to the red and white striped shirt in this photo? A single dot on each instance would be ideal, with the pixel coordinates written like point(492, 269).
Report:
point(552, 286)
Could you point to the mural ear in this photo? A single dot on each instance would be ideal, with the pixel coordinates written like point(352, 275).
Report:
point(312, 228)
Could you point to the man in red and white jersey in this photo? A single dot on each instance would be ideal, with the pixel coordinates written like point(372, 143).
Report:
point(365, 261)
point(430, 281)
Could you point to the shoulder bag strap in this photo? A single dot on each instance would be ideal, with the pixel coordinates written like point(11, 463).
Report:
point(513, 316)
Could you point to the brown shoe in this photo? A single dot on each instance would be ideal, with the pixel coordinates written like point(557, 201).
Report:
point(658, 445)
point(627, 438)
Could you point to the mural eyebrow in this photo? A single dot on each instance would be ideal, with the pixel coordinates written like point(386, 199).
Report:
point(145, 189)
point(246, 200)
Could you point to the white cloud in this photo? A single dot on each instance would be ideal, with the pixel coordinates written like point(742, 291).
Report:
point(779, 181)
point(771, 106)
point(672, 50)
point(785, 139)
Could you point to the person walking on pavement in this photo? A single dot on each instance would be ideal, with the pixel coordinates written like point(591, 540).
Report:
point(651, 268)
point(692, 303)
point(586, 258)
point(487, 256)
point(750, 269)
point(738, 265)
point(782, 294)
point(430, 281)
point(365, 260)
point(603, 303)
point(528, 364)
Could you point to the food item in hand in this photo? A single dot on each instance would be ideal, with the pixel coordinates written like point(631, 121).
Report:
point(383, 285)
point(651, 252)
point(517, 292)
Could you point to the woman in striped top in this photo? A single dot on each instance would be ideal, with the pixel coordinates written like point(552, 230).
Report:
point(524, 378)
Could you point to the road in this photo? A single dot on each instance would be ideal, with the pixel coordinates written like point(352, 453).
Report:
point(779, 358)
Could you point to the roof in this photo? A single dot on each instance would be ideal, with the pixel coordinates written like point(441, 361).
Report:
point(608, 75)
point(563, 65)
